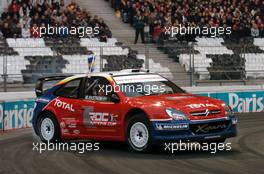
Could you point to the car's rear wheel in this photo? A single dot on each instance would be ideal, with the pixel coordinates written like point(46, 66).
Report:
point(48, 128)
point(139, 133)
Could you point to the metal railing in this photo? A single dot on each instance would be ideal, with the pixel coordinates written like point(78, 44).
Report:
point(184, 65)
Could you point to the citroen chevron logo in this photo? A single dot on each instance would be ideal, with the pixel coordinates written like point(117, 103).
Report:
point(207, 112)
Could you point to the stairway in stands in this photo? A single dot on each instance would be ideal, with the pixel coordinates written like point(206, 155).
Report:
point(124, 33)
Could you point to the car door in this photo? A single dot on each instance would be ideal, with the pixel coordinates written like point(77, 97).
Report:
point(102, 117)
point(68, 108)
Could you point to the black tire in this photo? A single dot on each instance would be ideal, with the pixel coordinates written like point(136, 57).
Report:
point(56, 135)
point(139, 120)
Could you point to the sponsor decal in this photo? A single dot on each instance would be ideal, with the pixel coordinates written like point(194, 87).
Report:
point(62, 124)
point(76, 131)
point(67, 106)
point(163, 126)
point(207, 128)
point(247, 103)
point(98, 118)
point(43, 100)
point(241, 102)
point(16, 114)
point(1, 116)
point(72, 125)
point(102, 119)
point(65, 131)
point(69, 122)
point(200, 105)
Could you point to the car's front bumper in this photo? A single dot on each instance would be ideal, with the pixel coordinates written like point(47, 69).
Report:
point(201, 130)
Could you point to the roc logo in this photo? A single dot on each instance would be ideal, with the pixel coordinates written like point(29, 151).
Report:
point(98, 118)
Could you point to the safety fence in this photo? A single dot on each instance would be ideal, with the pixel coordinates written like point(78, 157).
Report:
point(206, 62)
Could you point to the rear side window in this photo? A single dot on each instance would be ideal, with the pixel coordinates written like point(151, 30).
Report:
point(70, 90)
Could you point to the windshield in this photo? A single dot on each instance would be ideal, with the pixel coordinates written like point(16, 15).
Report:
point(144, 85)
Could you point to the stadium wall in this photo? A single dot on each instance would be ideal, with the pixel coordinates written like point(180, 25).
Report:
point(16, 108)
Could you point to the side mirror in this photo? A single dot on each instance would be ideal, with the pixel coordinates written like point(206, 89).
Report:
point(114, 98)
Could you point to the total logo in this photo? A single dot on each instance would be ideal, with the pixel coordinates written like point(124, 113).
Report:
point(63, 105)
point(201, 105)
point(246, 104)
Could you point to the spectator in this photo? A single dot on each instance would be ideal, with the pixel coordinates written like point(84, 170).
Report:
point(25, 22)
point(262, 30)
point(157, 31)
point(24, 10)
point(235, 14)
point(254, 30)
point(5, 14)
point(22, 16)
point(25, 32)
point(139, 26)
point(7, 33)
point(14, 7)
point(17, 31)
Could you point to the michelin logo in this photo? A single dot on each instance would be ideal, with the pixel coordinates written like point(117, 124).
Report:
point(249, 103)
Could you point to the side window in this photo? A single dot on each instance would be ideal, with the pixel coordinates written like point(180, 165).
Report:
point(97, 89)
point(70, 90)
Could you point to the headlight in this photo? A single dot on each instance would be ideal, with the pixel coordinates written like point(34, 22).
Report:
point(228, 110)
point(176, 114)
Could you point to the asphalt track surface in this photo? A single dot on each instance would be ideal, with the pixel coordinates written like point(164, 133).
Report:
point(246, 156)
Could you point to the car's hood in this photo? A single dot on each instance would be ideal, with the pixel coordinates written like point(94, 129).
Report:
point(185, 102)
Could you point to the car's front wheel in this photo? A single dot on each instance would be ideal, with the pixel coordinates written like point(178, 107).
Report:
point(48, 128)
point(139, 133)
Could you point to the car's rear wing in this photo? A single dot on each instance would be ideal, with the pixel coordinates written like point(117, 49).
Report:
point(49, 82)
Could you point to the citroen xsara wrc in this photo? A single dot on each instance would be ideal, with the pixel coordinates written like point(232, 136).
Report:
point(135, 106)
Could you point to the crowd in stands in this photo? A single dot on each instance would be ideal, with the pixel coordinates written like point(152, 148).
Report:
point(22, 18)
point(244, 17)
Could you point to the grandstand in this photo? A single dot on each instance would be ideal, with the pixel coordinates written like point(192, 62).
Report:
point(187, 60)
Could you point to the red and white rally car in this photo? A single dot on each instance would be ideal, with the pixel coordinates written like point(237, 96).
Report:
point(135, 106)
